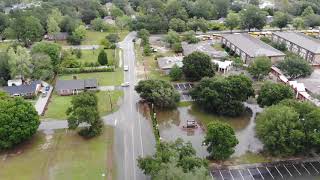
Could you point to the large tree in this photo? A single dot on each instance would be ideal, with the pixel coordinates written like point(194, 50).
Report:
point(295, 67)
point(28, 29)
point(103, 58)
point(273, 93)
point(4, 69)
point(19, 121)
point(289, 128)
point(174, 160)
point(52, 27)
point(252, 17)
point(158, 92)
point(197, 65)
point(53, 50)
point(84, 109)
point(281, 20)
point(260, 67)
point(223, 96)
point(42, 68)
point(177, 25)
point(19, 62)
point(220, 140)
point(232, 21)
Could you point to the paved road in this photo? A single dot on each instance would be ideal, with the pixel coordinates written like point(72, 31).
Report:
point(42, 101)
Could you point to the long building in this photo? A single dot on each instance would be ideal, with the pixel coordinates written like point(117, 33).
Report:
point(298, 43)
point(248, 47)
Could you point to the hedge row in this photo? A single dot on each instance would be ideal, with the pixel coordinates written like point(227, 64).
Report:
point(155, 124)
point(86, 70)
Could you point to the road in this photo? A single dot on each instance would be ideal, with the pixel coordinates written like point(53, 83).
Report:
point(133, 132)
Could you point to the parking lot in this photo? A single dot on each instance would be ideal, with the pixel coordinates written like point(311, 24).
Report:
point(304, 170)
point(183, 89)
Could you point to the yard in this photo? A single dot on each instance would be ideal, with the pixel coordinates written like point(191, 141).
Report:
point(59, 104)
point(60, 155)
point(91, 56)
point(104, 78)
point(95, 37)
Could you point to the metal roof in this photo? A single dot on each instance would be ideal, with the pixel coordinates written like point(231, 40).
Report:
point(22, 89)
point(89, 83)
point(302, 40)
point(251, 46)
point(76, 84)
point(169, 62)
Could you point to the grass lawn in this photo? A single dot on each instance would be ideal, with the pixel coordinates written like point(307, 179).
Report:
point(104, 78)
point(59, 104)
point(250, 158)
point(4, 46)
point(92, 56)
point(218, 47)
point(62, 155)
point(95, 37)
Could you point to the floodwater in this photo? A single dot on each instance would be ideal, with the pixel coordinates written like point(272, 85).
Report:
point(171, 127)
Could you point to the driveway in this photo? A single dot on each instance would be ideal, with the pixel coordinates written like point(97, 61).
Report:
point(42, 101)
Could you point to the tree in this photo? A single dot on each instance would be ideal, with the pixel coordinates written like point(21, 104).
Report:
point(4, 22)
point(98, 24)
point(84, 109)
point(260, 67)
point(277, 140)
point(190, 37)
point(174, 160)
point(281, 20)
point(19, 62)
point(196, 66)
point(52, 27)
point(196, 24)
point(158, 92)
point(220, 140)
point(223, 96)
point(307, 12)
point(273, 93)
point(172, 37)
point(103, 58)
point(203, 9)
point(42, 68)
point(4, 69)
point(19, 121)
point(56, 15)
point(177, 25)
point(80, 32)
point(232, 21)
point(222, 7)
point(175, 73)
point(53, 50)
point(28, 29)
point(295, 67)
point(113, 38)
point(116, 12)
point(123, 22)
point(144, 35)
point(298, 23)
point(177, 47)
point(252, 17)
point(312, 20)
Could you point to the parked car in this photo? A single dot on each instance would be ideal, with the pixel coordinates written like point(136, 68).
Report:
point(44, 94)
point(126, 68)
point(126, 84)
point(47, 88)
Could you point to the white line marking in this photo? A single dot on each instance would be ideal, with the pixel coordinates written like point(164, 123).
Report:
point(305, 169)
point(221, 175)
point(115, 122)
point(231, 175)
point(133, 160)
point(279, 171)
point(259, 172)
point(269, 172)
point(211, 176)
point(296, 169)
point(251, 174)
point(314, 167)
point(139, 120)
point(287, 170)
point(240, 174)
point(125, 155)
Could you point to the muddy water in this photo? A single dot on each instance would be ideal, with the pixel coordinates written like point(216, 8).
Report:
point(171, 127)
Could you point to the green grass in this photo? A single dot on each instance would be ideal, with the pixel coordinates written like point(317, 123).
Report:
point(184, 104)
point(250, 158)
point(104, 78)
point(90, 56)
point(59, 104)
point(218, 47)
point(64, 155)
point(95, 37)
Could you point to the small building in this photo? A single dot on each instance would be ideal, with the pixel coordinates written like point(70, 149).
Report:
point(205, 47)
point(62, 36)
point(15, 82)
point(300, 44)
point(248, 47)
point(167, 63)
point(26, 90)
point(223, 66)
point(72, 87)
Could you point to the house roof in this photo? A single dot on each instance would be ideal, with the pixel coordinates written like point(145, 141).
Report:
point(90, 83)
point(251, 46)
point(306, 42)
point(22, 89)
point(76, 84)
point(202, 46)
point(169, 62)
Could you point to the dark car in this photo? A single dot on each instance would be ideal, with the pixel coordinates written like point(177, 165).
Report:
point(47, 88)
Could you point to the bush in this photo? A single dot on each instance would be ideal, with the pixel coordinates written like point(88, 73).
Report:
point(266, 40)
point(280, 46)
point(175, 73)
point(177, 47)
point(86, 70)
point(74, 40)
point(103, 58)
point(272, 93)
point(113, 38)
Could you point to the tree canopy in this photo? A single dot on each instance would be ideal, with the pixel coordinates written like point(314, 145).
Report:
point(260, 67)
point(252, 17)
point(223, 96)
point(158, 92)
point(295, 67)
point(273, 93)
point(19, 121)
point(196, 66)
point(220, 140)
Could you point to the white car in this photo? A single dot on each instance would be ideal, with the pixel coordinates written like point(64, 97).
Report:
point(126, 84)
point(126, 68)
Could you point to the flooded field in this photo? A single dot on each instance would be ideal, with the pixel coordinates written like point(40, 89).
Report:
point(171, 127)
